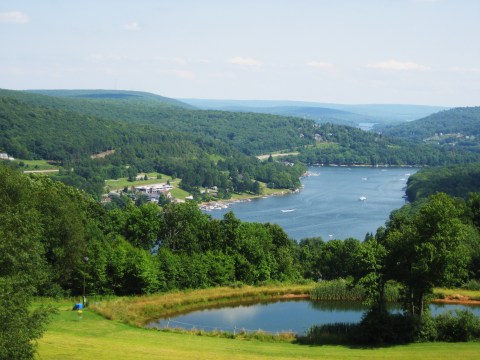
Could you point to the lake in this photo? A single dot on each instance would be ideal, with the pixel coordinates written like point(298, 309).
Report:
point(330, 205)
point(289, 315)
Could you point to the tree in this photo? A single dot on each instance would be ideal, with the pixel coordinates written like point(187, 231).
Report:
point(22, 268)
point(426, 249)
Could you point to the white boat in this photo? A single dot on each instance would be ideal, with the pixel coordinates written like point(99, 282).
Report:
point(362, 198)
point(287, 210)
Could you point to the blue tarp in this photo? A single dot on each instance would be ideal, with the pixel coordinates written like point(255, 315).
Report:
point(78, 306)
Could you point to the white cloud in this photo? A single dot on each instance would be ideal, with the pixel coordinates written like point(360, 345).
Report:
point(180, 61)
point(14, 17)
point(183, 74)
point(458, 69)
point(321, 65)
point(396, 65)
point(246, 61)
point(132, 26)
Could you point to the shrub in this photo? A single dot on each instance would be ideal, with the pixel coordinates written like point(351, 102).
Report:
point(379, 327)
point(336, 333)
point(458, 325)
point(338, 289)
point(472, 284)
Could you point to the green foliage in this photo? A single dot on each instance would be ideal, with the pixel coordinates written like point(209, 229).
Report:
point(22, 267)
point(330, 260)
point(426, 248)
point(454, 180)
point(459, 325)
point(328, 334)
point(70, 131)
point(340, 290)
point(472, 284)
point(379, 327)
point(455, 127)
point(352, 146)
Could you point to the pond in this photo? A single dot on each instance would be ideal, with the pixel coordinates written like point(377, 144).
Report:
point(295, 316)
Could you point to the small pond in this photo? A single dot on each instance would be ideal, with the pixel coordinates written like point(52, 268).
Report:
point(288, 315)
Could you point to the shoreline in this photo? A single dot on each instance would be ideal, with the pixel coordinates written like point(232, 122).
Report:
point(225, 203)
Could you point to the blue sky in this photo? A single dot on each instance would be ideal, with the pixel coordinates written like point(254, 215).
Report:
point(339, 51)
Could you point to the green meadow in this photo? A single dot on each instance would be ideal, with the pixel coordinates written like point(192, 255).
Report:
point(94, 337)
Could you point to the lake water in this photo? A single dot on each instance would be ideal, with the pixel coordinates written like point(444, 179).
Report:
point(329, 205)
point(292, 315)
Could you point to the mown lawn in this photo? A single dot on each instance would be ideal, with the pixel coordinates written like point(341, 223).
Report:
point(94, 337)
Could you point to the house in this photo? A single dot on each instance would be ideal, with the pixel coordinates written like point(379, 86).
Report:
point(4, 156)
point(154, 188)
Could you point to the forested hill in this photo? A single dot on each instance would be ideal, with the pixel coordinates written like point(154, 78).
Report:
point(251, 133)
point(344, 145)
point(125, 96)
point(459, 127)
point(70, 138)
point(454, 180)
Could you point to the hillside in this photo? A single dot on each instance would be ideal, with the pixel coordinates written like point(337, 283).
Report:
point(454, 180)
point(249, 132)
point(70, 138)
point(345, 145)
point(115, 95)
point(458, 127)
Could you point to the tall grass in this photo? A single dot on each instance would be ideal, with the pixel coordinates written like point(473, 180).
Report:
point(343, 290)
point(339, 290)
point(139, 310)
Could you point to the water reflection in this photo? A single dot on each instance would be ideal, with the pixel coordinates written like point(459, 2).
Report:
point(288, 315)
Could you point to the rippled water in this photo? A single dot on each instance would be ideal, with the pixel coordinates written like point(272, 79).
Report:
point(329, 205)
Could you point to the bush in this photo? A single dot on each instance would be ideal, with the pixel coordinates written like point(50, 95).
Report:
point(337, 333)
point(379, 327)
point(338, 289)
point(458, 325)
point(472, 284)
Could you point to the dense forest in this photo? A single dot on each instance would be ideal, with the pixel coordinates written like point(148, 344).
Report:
point(454, 180)
point(147, 248)
point(252, 134)
point(347, 145)
point(458, 127)
point(70, 138)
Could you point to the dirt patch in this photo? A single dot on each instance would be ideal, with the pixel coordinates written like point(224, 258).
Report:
point(102, 154)
point(293, 296)
point(457, 299)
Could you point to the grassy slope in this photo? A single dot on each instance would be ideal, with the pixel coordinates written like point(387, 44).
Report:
point(94, 337)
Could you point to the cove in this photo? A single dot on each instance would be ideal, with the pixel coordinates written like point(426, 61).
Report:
point(334, 203)
point(295, 316)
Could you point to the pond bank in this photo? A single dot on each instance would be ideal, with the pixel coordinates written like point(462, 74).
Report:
point(140, 310)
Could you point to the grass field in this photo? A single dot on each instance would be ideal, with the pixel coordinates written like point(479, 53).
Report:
point(94, 337)
point(123, 182)
point(35, 165)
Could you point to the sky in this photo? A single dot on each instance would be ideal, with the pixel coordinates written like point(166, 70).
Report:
point(330, 51)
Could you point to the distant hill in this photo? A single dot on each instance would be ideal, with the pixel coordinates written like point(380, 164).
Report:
point(455, 127)
point(354, 115)
point(131, 96)
point(36, 126)
point(251, 133)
